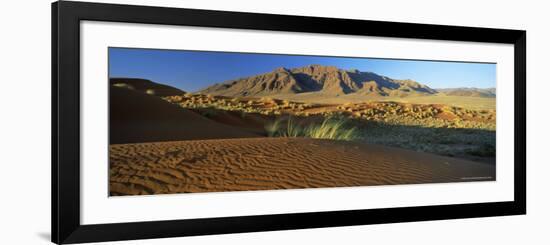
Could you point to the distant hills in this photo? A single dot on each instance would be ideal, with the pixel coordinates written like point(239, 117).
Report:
point(324, 80)
point(473, 92)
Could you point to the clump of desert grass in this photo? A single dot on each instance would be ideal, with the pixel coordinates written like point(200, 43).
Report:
point(332, 128)
point(329, 128)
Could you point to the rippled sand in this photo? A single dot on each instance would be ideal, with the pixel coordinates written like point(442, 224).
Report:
point(276, 163)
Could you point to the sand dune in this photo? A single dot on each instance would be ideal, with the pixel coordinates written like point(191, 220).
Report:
point(145, 86)
point(276, 163)
point(139, 117)
point(251, 122)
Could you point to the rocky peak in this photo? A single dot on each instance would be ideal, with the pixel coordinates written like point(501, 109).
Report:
point(328, 80)
point(281, 69)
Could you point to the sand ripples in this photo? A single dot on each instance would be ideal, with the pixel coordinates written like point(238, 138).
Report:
point(276, 163)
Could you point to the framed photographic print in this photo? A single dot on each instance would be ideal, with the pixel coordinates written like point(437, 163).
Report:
point(176, 122)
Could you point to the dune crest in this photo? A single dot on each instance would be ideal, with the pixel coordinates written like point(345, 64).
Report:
point(139, 117)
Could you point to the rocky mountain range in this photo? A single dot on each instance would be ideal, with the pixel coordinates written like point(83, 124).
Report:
point(313, 81)
point(325, 80)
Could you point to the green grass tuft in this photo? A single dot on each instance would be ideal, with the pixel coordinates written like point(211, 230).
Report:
point(330, 128)
point(273, 128)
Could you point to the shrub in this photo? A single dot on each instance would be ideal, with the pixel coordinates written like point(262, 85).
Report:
point(330, 128)
point(273, 128)
point(293, 129)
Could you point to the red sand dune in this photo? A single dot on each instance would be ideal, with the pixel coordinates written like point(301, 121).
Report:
point(252, 122)
point(276, 163)
point(139, 117)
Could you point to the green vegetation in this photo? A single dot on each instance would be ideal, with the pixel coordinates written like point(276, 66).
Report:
point(273, 128)
point(484, 150)
point(473, 144)
point(265, 106)
point(433, 128)
point(388, 112)
point(330, 128)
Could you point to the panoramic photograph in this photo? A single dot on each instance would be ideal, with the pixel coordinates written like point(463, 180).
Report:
point(184, 121)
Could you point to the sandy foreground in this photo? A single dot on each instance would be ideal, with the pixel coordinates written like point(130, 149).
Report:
point(276, 163)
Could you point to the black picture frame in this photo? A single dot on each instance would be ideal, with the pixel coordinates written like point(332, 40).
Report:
point(66, 18)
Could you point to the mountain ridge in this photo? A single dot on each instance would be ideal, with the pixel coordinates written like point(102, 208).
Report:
point(327, 80)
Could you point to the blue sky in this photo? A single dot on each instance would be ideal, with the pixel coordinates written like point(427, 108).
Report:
point(194, 70)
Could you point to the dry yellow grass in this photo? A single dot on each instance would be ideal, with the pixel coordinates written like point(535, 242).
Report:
point(390, 112)
point(467, 102)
